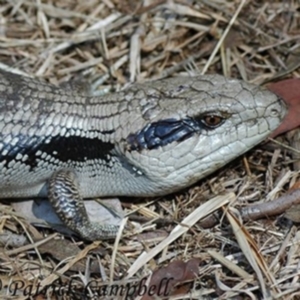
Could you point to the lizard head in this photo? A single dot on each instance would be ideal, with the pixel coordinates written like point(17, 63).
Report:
point(185, 129)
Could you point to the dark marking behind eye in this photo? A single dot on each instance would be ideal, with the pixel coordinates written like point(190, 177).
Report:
point(167, 131)
point(162, 133)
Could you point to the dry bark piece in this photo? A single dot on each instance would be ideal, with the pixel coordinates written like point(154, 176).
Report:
point(271, 208)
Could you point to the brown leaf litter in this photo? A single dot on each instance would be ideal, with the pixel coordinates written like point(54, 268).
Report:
point(111, 43)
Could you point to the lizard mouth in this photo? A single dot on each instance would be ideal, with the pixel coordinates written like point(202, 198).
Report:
point(289, 91)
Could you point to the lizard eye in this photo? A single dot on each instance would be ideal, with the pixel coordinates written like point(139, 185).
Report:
point(212, 121)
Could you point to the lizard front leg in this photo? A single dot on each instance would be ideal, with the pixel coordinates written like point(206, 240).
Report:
point(64, 195)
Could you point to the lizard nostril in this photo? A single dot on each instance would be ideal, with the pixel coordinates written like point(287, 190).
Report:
point(274, 112)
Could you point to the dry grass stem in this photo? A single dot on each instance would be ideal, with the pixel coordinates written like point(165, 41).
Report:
point(108, 44)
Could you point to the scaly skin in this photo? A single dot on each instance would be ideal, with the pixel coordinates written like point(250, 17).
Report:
point(151, 139)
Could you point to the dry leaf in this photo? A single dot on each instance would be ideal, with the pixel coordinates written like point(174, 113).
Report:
point(289, 90)
point(177, 272)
